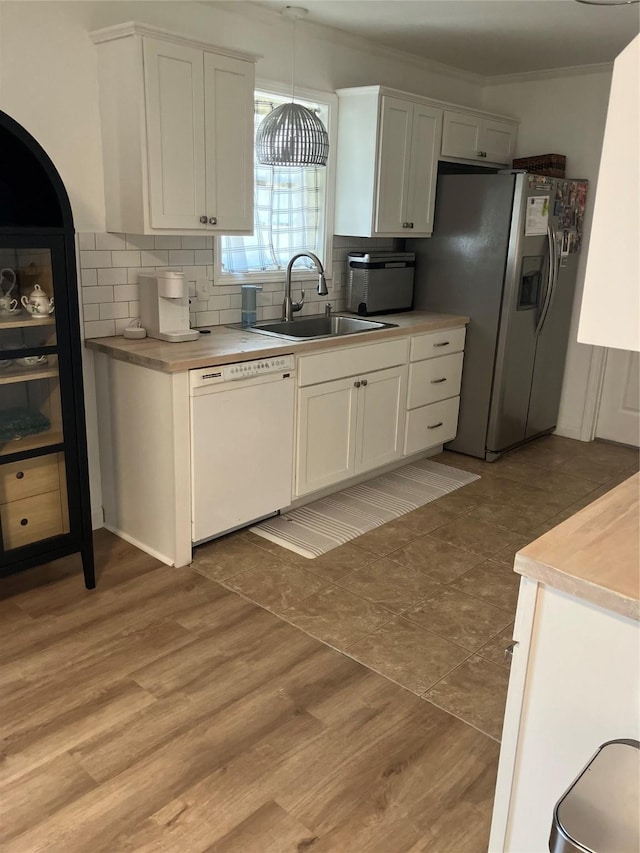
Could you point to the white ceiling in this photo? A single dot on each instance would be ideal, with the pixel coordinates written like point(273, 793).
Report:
point(486, 37)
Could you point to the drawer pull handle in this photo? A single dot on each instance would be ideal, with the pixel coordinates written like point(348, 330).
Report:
point(435, 426)
point(19, 475)
point(443, 344)
point(24, 522)
point(438, 381)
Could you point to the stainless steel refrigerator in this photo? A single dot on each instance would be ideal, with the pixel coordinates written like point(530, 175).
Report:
point(504, 252)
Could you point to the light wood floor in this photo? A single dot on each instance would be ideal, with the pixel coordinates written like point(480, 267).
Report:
point(163, 712)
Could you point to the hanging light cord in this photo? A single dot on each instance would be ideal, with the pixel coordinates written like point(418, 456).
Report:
point(293, 58)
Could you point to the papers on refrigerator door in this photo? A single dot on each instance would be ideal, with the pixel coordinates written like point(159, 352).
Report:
point(537, 216)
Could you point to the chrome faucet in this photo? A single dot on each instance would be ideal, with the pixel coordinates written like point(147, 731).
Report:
point(289, 307)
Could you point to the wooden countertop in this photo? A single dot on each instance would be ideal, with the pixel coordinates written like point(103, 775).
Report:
point(224, 344)
point(595, 554)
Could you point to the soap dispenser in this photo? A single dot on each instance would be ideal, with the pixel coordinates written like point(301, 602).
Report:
point(249, 299)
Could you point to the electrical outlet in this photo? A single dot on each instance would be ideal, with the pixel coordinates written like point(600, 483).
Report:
point(192, 289)
point(337, 279)
point(204, 288)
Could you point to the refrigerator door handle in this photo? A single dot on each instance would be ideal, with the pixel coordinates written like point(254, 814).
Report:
point(553, 274)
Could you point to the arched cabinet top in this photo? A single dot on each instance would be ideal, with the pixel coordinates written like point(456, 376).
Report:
point(31, 190)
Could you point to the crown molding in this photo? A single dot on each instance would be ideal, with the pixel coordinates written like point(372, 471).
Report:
point(247, 9)
point(548, 74)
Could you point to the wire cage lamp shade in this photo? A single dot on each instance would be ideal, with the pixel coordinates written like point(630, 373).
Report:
point(292, 135)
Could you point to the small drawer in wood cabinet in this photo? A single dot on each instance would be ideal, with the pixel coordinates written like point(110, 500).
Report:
point(30, 477)
point(434, 344)
point(31, 520)
point(431, 425)
point(434, 379)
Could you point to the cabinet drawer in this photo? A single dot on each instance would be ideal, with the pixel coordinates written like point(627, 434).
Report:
point(431, 425)
point(30, 477)
point(437, 343)
point(31, 519)
point(340, 363)
point(434, 379)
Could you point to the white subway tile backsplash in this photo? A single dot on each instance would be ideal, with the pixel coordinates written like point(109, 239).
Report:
point(100, 329)
point(181, 257)
point(114, 310)
point(91, 312)
point(207, 318)
point(141, 241)
point(168, 242)
point(110, 265)
point(194, 242)
point(126, 258)
point(89, 277)
point(110, 241)
point(87, 240)
point(97, 295)
point(95, 259)
point(126, 292)
point(156, 258)
point(112, 276)
point(203, 256)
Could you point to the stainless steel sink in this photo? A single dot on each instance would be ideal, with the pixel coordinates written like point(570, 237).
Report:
point(317, 327)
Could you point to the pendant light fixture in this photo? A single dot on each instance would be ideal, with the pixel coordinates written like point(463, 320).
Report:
point(292, 135)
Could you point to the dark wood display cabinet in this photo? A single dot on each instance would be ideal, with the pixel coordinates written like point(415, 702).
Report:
point(44, 478)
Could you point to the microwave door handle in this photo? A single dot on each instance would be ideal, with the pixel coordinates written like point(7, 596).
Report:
point(550, 280)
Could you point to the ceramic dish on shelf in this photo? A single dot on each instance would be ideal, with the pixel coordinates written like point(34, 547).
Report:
point(32, 360)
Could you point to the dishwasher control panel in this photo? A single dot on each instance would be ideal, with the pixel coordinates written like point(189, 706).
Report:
point(240, 370)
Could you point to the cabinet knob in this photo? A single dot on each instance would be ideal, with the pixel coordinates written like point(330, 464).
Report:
point(356, 384)
point(203, 219)
point(19, 475)
point(213, 220)
point(24, 521)
point(365, 381)
point(482, 153)
point(411, 225)
point(405, 224)
point(435, 426)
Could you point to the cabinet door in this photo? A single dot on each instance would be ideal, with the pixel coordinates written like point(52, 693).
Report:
point(393, 164)
point(498, 141)
point(174, 95)
point(425, 142)
point(461, 136)
point(326, 434)
point(228, 86)
point(381, 414)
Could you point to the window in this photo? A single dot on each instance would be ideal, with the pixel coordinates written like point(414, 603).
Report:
point(291, 207)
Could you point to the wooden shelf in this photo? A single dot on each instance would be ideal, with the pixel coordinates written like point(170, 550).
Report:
point(22, 319)
point(9, 375)
point(31, 442)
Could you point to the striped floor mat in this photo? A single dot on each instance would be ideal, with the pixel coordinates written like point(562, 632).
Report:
point(318, 527)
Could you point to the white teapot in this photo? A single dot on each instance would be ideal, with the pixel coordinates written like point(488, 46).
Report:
point(38, 304)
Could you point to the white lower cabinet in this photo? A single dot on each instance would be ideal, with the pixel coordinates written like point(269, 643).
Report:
point(348, 426)
point(433, 397)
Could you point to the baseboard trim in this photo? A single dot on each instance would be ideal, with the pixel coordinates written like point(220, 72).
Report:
point(570, 432)
point(140, 545)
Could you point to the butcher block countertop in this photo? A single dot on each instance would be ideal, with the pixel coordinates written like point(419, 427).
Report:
point(224, 345)
point(595, 554)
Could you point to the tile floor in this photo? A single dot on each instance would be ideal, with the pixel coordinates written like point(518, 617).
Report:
point(429, 599)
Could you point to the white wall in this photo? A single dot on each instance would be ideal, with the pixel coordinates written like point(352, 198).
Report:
point(564, 115)
point(48, 83)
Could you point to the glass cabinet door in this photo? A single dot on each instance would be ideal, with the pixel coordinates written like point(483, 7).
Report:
point(33, 482)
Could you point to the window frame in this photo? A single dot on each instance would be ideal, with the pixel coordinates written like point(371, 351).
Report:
point(330, 100)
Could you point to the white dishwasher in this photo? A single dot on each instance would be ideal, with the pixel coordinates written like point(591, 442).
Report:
point(241, 443)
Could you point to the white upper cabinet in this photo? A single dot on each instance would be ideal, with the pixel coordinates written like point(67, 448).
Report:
point(469, 136)
point(177, 131)
point(386, 164)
